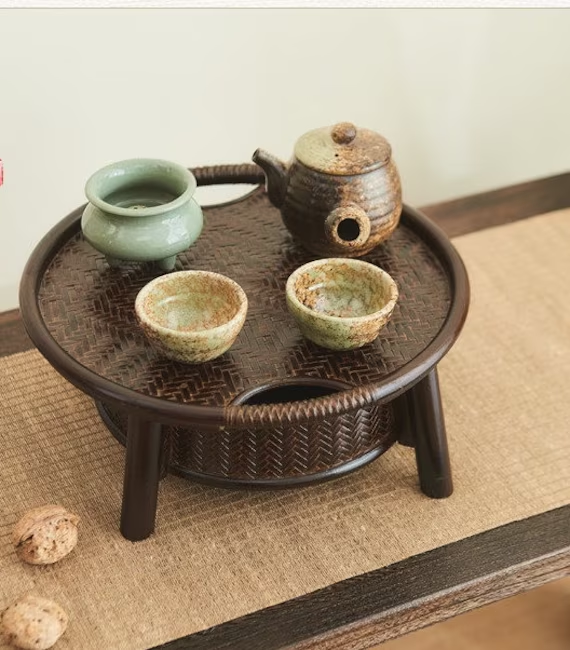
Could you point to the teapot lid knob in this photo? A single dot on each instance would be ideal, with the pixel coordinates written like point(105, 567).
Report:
point(343, 133)
point(342, 150)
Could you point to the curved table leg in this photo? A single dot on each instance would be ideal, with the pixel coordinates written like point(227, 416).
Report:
point(145, 457)
point(427, 426)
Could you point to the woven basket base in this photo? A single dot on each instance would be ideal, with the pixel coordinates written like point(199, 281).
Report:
point(272, 458)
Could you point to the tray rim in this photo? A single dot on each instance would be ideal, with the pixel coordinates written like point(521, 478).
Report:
point(172, 412)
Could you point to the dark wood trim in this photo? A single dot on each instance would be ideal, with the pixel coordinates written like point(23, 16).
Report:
point(7, 317)
point(501, 206)
point(421, 590)
point(426, 588)
point(13, 337)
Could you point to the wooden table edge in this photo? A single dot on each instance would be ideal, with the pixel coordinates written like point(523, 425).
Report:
point(426, 588)
point(373, 607)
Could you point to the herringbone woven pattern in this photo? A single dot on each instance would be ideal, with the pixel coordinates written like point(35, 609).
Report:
point(278, 452)
point(89, 310)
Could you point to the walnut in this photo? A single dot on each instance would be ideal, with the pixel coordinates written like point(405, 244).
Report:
point(44, 535)
point(33, 623)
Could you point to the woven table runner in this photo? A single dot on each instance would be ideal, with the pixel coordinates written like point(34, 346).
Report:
point(219, 554)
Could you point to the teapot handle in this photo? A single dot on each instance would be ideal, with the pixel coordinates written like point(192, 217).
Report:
point(347, 226)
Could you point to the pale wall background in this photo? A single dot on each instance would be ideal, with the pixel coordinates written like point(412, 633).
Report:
point(469, 99)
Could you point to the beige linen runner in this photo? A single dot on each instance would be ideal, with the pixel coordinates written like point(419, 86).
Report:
point(219, 554)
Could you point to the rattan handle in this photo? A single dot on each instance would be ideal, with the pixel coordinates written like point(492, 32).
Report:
point(294, 412)
point(229, 174)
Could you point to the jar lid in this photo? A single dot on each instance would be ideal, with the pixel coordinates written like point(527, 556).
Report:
point(342, 149)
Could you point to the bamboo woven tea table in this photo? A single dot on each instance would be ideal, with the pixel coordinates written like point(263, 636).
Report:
point(276, 410)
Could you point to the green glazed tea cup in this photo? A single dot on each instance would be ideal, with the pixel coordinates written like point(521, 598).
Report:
point(191, 316)
point(341, 303)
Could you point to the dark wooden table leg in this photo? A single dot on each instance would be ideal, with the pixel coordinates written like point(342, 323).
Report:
point(427, 426)
point(401, 409)
point(145, 452)
point(165, 451)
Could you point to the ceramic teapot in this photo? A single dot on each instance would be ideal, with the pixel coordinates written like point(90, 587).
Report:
point(340, 194)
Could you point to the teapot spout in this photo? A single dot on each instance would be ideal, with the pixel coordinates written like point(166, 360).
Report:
point(275, 173)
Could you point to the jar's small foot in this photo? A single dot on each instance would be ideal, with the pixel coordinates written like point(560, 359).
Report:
point(167, 263)
point(114, 262)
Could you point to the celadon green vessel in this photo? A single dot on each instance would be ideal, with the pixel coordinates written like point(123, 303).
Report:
point(142, 210)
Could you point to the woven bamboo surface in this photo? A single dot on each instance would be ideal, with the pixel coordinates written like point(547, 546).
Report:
point(89, 310)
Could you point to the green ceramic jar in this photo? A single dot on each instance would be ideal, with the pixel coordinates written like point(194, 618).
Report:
point(142, 210)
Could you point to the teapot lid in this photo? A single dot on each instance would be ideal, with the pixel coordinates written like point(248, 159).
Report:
point(342, 149)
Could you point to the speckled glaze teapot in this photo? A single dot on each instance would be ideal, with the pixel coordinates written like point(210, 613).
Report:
point(340, 195)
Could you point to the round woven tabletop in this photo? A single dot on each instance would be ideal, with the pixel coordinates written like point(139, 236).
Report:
point(74, 303)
